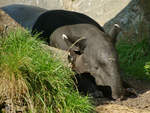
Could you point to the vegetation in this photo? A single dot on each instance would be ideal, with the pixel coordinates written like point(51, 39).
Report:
point(134, 54)
point(31, 77)
point(147, 69)
point(34, 79)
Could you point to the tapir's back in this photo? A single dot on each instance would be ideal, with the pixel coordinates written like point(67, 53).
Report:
point(49, 21)
point(25, 15)
point(46, 21)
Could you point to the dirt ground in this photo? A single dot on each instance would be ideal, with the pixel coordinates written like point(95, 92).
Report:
point(139, 104)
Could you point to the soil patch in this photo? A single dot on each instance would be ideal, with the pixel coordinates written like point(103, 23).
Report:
point(139, 104)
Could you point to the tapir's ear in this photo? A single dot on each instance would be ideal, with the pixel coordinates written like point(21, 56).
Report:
point(69, 43)
point(114, 32)
point(66, 39)
point(77, 46)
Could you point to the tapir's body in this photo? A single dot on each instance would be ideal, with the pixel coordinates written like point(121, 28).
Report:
point(92, 50)
point(25, 15)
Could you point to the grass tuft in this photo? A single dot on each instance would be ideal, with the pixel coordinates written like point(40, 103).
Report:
point(31, 75)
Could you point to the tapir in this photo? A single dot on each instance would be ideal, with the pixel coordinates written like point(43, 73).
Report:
point(92, 50)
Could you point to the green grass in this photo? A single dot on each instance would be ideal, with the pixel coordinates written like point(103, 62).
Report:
point(43, 82)
point(147, 69)
point(134, 54)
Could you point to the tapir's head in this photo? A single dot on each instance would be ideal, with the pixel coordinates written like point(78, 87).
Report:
point(96, 54)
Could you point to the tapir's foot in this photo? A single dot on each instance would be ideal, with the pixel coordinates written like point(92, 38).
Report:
point(128, 93)
point(96, 94)
point(131, 92)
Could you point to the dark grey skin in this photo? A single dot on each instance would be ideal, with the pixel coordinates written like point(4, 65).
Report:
point(95, 51)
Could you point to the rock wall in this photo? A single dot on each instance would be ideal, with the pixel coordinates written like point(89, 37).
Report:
point(134, 19)
point(128, 13)
point(129, 16)
point(145, 5)
point(48, 4)
point(101, 10)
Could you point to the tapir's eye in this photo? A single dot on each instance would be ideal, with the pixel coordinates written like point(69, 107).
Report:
point(78, 52)
point(96, 67)
point(102, 64)
point(70, 58)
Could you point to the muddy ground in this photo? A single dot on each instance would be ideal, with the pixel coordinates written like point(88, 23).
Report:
point(139, 104)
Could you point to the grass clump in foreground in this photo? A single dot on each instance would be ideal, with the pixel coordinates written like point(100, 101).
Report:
point(30, 77)
point(134, 54)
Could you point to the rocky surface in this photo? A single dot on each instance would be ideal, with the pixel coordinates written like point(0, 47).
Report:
point(128, 18)
point(145, 6)
point(114, 108)
point(139, 104)
point(127, 13)
point(48, 4)
point(101, 10)
point(7, 23)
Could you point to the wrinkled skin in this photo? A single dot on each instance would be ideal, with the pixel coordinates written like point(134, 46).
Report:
point(94, 53)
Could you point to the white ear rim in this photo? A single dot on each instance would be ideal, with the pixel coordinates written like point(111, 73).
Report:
point(114, 31)
point(64, 36)
point(117, 26)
